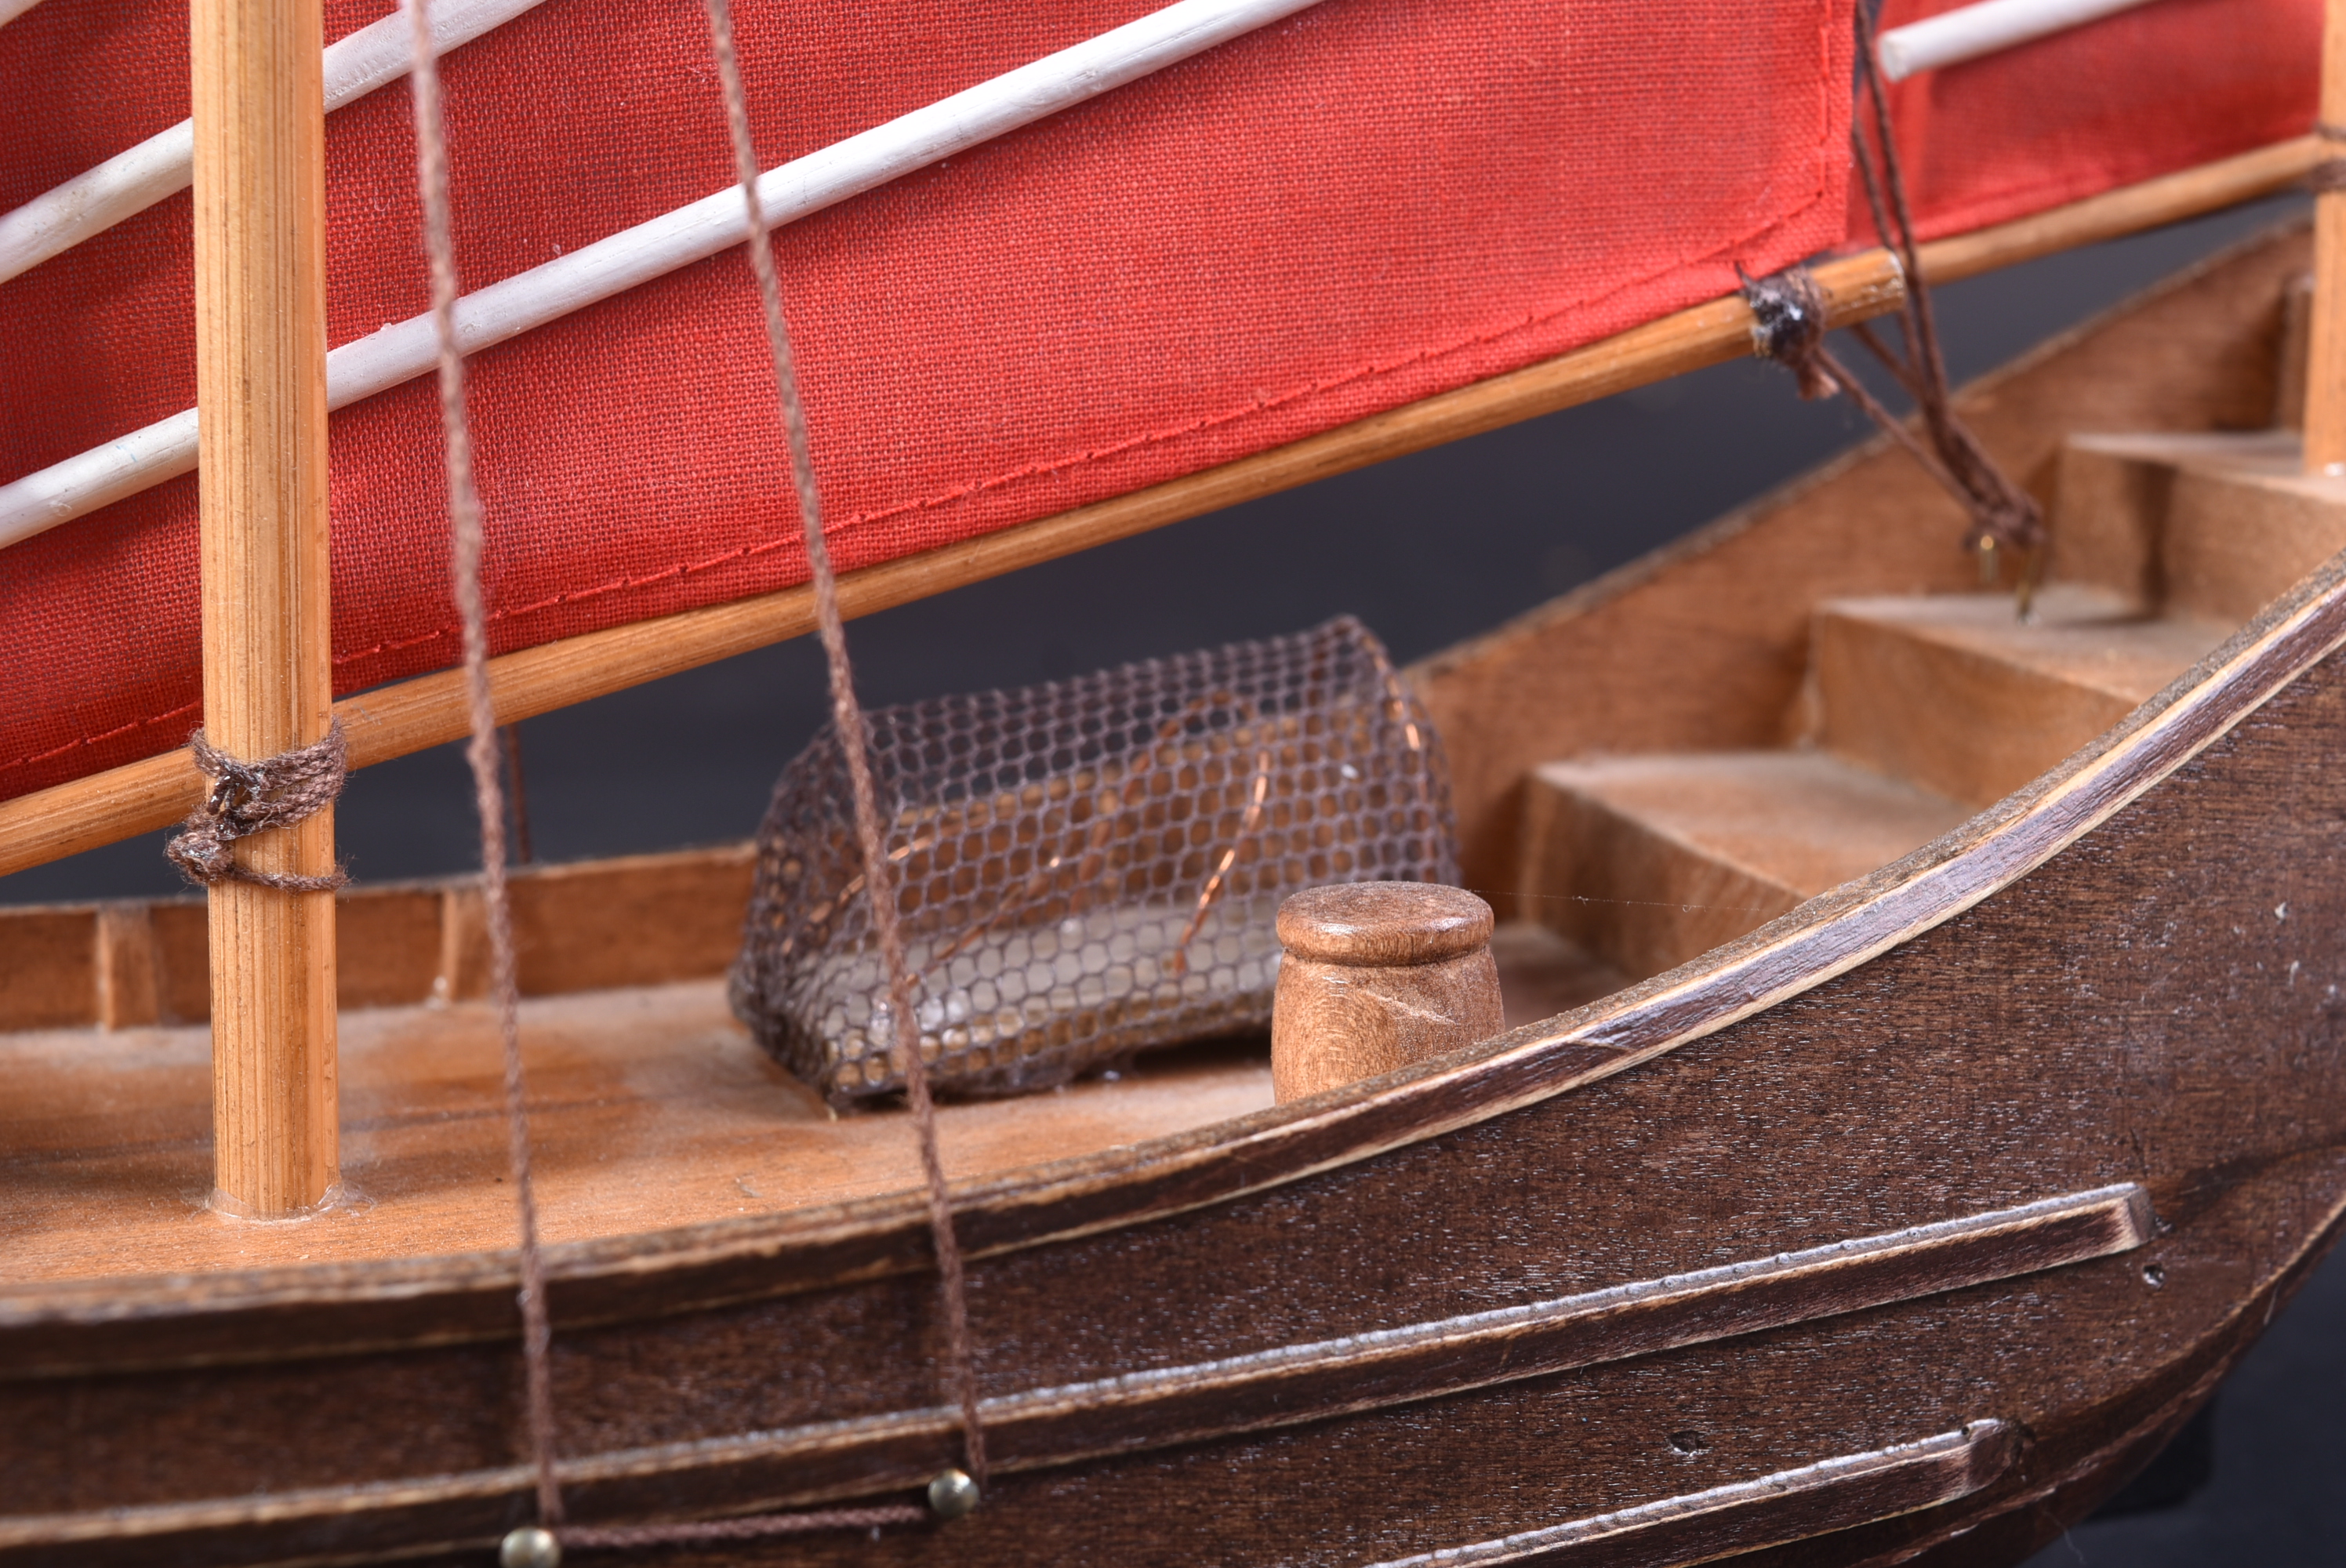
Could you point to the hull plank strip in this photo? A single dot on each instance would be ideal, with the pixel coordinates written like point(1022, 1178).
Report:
point(1789, 1505)
point(1334, 1377)
point(1047, 1427)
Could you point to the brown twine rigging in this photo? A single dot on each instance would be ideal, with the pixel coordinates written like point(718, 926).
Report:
point(484, 753)
point(847, 715)
point(1789, 326)
point(541, 1547)
point(249, 798)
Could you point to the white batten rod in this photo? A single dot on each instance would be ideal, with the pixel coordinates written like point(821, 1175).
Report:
point(405, 350)
point(1953, 36)
point(12, 9)
point(131, 182)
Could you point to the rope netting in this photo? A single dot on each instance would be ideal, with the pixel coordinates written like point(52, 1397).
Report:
point(1087, 868)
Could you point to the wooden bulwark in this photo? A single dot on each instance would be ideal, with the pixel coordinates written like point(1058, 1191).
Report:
point(1705, 645)
point(320, 1310)
point(425, 711)
point(2185, 838)
point(633, 920)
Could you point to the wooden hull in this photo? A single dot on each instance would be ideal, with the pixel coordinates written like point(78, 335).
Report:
point(1907, 1225)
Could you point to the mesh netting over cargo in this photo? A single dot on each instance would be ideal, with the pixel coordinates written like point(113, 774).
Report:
point(1088, 867)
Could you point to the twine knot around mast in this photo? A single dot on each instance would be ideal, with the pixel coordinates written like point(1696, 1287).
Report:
point(249, 798)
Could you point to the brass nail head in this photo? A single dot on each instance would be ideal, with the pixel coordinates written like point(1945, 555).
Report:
point(952, 1495)
point(529, 1547)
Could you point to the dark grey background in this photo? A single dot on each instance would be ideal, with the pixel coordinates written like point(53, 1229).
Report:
point(1427, 550)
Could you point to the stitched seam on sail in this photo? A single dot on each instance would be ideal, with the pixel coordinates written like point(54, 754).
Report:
point(180, 712)
point(1724, 251)
point(1035, 470)
point(1049, 466)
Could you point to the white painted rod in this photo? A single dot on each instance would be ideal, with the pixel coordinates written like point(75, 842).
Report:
point(404, 350)
point(131, 182)
point(1966, 34)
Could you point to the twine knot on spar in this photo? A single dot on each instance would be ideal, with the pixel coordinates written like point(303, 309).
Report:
point(249, 798)
point(1788, 326)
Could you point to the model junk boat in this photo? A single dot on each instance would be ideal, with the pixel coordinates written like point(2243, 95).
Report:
point(1926, 1082)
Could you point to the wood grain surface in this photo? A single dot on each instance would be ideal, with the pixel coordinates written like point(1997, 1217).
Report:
point(653, 1108)
point(2213, 525)
point(1956, 695)
point(268, 627)
point(1650, 861)
point(1374, 976)
point(631, 920)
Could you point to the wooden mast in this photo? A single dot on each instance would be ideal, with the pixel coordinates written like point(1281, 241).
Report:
point(2325, 365)
point(261, 395)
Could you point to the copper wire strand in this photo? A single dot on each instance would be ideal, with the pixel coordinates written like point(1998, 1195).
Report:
point(1397, 707)
point(1041, 881)
point(1179, 964)
point(847, 714)
point(484, 753)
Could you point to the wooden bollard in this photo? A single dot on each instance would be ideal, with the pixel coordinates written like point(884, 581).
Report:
point(1378, 975)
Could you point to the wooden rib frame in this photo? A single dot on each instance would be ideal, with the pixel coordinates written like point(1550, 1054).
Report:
point(427, 710)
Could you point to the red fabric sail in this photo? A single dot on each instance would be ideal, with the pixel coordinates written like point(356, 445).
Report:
point(1371, 202)
point(2142, 93)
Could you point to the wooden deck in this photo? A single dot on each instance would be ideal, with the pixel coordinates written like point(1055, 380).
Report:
point(651, 1108)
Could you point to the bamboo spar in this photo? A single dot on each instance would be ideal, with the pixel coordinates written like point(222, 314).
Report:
point(260, 393)
point(2325, 364)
